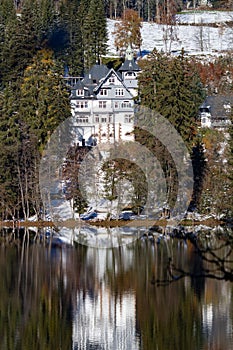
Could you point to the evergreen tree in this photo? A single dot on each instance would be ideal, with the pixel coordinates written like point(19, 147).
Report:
point(71, 20)
point(171, 86)
point(94, 33)
point(21, 42)
point(44, 101)
point(7, 24)
point(28, 116)
point(9, 143)
point(46, 17)
point(7, 11)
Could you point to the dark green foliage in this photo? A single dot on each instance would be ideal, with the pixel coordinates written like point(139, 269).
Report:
point(7, 11)
point(199, 173)
point(44, 99)
point(29, 112)
point(164, 158)
point(9, 140)
point(67, 39)
point(171, 86)
point(7, 30)
point(94, 33)
point(114, 63)
point(24, 36)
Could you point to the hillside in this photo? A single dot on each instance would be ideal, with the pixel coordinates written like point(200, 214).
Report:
point(205, 32)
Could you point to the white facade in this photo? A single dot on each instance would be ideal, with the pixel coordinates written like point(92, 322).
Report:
point(102, 105)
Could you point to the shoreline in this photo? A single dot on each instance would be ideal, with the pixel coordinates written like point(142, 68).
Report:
point(111, 223)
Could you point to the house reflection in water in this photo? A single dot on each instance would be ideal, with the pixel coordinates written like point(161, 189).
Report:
point(102, 319)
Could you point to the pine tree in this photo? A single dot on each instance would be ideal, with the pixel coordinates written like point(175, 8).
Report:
point(72, 18)
point(94, 33)
point(44, 101)
point(29, 115)
point(171, 86)
point(9, 145)
point(21, 42)
point(46, 16)
point(7, 23)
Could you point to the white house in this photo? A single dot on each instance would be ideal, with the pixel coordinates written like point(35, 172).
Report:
point(102, 103)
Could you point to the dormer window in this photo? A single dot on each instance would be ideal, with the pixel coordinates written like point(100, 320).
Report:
point(80, 92)
point(111, 80)
point(130, 75)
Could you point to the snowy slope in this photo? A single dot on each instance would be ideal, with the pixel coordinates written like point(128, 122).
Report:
point(185, 36)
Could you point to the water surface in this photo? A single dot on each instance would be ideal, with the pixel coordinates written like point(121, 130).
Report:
point(70, 296)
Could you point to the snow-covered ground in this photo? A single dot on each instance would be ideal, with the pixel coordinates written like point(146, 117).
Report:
point(192, 38)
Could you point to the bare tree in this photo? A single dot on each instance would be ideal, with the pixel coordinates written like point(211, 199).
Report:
point(216, 256)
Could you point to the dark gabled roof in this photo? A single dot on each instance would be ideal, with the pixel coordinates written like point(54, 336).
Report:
point(216, 104)
point(98, 87)
point(78, 85)
point(95, 74)
point(129, 65)
point(110, 72)
point(88, 90)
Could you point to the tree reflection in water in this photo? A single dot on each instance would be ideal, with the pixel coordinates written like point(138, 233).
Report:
point(211, 257)
point(61, 296)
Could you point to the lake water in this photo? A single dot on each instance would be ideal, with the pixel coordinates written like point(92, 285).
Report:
point(70, 296)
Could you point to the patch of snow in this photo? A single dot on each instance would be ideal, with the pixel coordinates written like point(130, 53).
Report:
point(205, 17)
point(193, 39)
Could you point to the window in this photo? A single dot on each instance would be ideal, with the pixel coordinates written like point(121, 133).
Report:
point(128, 118)
point(126, 104)
point(110, 118)
point(103, 120)
point(119, 92)
point(82, 104)
point(102, 104)
point(111, 80)
point(130, 75)
point(103, 92)
point(97, 119)
point(116, 105)
point(82, 119)
point(80, 92)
